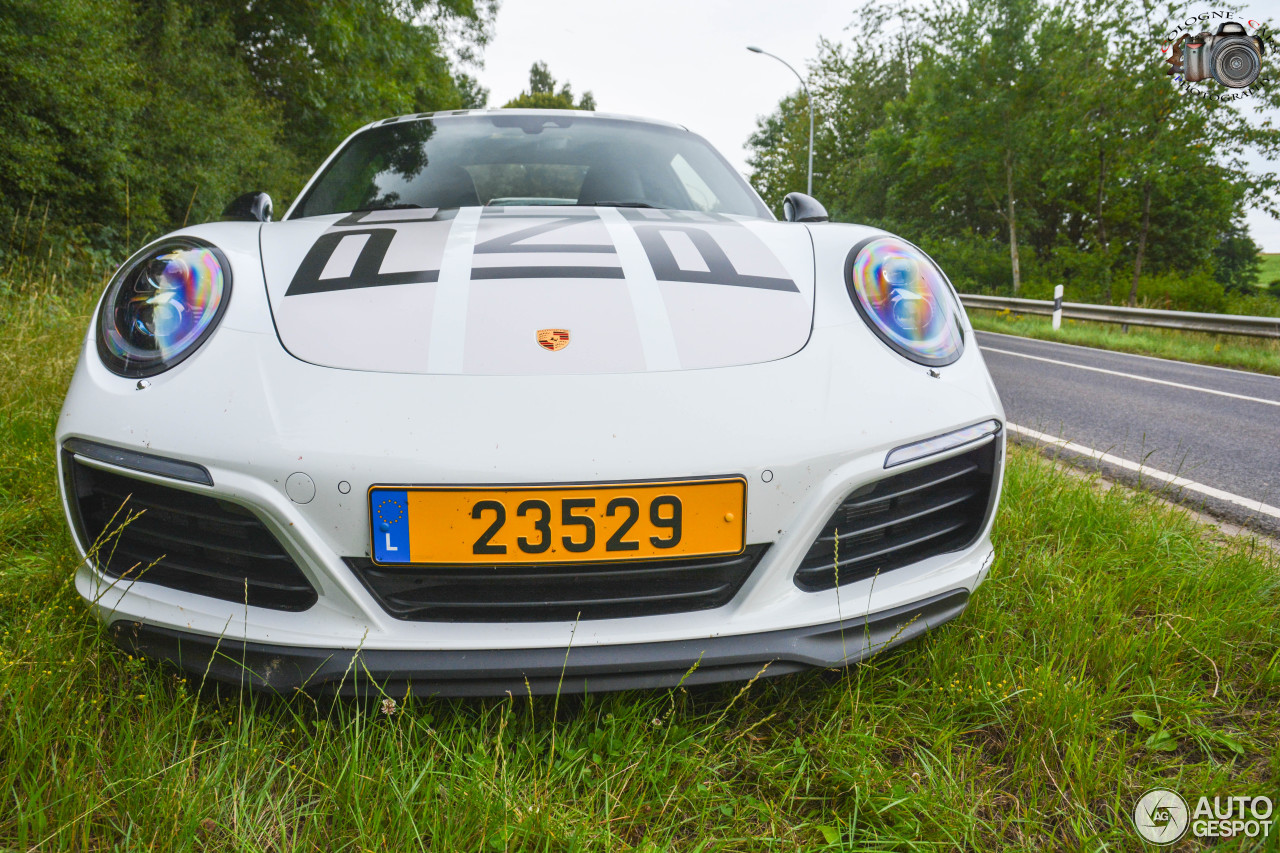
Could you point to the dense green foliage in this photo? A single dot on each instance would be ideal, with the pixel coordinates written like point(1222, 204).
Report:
point(1269, 271)
point(1027, 143)
point(1117, 646)
point(125, 118)
point(543, 95)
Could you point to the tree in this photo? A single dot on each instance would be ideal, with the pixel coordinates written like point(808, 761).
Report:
point(210, 136)
point(1040, 130)
point(332, 65)
point(66, 103)
point(130, 117)
point(540, 80)
point(851, 88)
point(982, 102)
point(471, 94)
point(542, 94)
point(1235, 260)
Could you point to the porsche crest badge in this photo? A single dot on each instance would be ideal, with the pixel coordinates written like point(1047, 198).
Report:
point(553, 339)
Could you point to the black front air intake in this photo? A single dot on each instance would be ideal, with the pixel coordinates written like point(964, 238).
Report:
point(564, 592)
point(192, 542)
point(903, 519)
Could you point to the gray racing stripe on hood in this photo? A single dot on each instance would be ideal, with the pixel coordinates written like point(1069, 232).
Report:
point(471, 291)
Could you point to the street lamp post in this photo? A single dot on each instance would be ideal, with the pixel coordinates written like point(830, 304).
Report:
point(808, 97)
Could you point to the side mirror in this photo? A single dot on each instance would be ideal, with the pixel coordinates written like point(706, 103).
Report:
point(250, 207)
point(798, 207)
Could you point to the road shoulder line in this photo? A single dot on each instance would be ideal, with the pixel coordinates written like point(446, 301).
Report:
point(1254, 506)
point(1246, 397)
point(1250, 373)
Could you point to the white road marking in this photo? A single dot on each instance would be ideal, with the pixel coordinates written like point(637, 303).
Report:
point(1249, 373)
point(656, 335)
point(1145, 471)
point(449, 314)
point(1133, 376)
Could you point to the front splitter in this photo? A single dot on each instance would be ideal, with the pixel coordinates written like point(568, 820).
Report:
point(541, 671)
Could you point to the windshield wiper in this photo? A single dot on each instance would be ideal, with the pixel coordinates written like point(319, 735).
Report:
point(621, 204)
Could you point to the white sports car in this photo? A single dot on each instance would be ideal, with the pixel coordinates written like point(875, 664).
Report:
point(527, 400)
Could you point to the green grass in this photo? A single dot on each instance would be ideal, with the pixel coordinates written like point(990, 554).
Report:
point(1269, 271)
point(1260, 355)
point(1117, 646)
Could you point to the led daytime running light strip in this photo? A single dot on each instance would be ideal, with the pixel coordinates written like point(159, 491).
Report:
point(942, 443)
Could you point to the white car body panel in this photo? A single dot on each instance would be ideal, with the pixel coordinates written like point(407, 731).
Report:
point(402, 291)
point(434, 383)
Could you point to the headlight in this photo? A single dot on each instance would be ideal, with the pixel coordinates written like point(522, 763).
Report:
point(161, 306)
point(905, 300)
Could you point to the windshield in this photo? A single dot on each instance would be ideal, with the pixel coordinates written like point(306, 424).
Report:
point(521, 158)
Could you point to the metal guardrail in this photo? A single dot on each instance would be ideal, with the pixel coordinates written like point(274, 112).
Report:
point(1223, 324)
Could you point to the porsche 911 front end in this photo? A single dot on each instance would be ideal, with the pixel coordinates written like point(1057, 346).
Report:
point(570, 412)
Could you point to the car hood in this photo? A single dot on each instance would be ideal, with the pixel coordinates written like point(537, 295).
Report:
point(538, 290)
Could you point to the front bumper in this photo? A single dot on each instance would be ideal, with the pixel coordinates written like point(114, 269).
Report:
point(493, 672)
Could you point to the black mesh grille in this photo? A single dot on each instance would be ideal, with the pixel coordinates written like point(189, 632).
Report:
point(902, 520)
point(536, 593)
point(195, 543)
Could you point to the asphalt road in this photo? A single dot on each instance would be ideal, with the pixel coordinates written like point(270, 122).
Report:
point(1216, 427)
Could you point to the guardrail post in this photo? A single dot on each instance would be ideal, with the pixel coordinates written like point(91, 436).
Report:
point(1057, 307)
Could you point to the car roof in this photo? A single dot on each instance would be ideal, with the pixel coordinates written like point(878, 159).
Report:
point(574, 113)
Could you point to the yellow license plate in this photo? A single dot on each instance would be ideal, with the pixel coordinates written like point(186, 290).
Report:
point(557, 524)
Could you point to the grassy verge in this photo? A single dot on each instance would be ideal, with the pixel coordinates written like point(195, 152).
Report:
point(1260, 355)
point(1115, 648)
point(1269, 269)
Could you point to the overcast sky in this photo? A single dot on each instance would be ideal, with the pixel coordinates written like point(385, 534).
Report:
point(682, 60)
